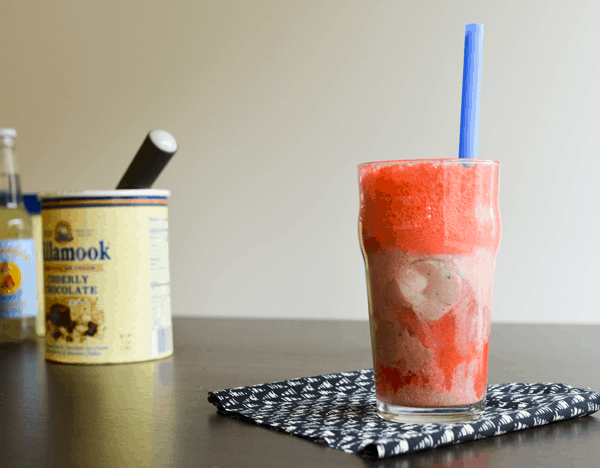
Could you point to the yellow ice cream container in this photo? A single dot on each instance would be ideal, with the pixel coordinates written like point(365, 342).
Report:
point(106, 276)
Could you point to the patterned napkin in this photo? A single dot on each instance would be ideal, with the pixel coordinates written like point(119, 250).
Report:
point(338, 410)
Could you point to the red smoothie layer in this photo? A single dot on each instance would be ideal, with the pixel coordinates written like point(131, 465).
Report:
point(429, 235)
point(425, 207)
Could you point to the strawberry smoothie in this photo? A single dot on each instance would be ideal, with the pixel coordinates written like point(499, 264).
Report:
point(429, 232)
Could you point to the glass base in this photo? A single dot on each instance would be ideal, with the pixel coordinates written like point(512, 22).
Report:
point(446, 415)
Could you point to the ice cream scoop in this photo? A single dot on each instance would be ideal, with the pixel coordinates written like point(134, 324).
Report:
point(156, 151)
point(430, 287)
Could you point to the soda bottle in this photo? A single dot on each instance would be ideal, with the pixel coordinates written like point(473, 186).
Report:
point(18, 283)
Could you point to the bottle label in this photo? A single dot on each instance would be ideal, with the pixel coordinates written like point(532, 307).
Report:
point(18, 282)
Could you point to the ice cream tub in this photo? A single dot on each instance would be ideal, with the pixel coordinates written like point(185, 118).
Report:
point(106, 276)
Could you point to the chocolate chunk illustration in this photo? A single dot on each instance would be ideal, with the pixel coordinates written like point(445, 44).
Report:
point(60, 315)
point(92, 329)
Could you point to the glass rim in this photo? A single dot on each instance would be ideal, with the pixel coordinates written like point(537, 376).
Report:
point(438, 160)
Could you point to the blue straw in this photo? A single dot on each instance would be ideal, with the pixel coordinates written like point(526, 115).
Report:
point(469, 116)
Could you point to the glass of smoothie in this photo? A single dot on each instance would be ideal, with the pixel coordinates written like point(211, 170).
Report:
point(429, 233)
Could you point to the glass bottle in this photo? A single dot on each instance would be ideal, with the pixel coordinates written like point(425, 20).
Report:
point(18, 284)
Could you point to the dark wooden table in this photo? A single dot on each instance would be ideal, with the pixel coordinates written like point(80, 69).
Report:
point(156, 413)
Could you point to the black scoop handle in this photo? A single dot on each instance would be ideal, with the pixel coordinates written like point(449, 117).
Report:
point(156, 151)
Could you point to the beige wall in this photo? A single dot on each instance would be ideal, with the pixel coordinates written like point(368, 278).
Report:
point(274, 103)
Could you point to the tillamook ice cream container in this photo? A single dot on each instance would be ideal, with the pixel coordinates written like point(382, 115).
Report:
point(106, 276)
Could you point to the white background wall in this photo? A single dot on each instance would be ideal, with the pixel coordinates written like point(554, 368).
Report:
point(274, 103)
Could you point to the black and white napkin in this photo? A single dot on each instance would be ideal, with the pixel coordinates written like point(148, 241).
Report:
point(338, 410)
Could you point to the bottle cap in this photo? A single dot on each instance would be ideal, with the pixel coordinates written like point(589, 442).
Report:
point(32, 203)
point(8, 132)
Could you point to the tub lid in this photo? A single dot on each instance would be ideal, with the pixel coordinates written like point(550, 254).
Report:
point(106, 193)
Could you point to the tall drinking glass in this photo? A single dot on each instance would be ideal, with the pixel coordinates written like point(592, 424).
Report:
point(429, 232)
